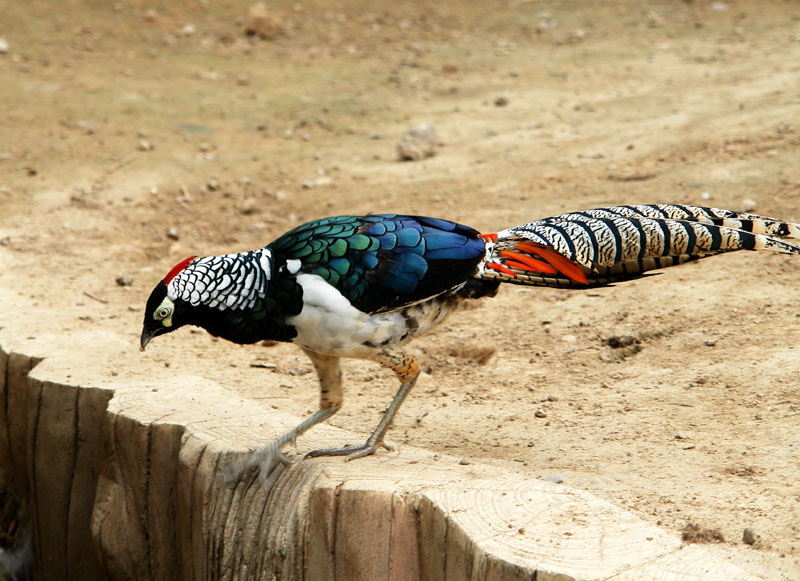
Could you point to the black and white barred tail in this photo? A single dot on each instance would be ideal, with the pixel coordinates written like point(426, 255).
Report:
point(606, 245)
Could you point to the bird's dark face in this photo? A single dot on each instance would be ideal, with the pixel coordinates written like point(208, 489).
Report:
point(161, 315)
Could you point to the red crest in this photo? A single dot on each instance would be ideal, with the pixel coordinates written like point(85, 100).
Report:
point(177, 268)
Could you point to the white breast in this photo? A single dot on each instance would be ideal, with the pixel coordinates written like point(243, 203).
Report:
point(329, 324)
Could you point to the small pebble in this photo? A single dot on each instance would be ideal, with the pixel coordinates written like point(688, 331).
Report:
point(124, 281)
point(501, 102)
point(556, 479)
point(418, 143)
point(86, 126)
point(145, 145)
point(749, 205)
point(540, 413)
point(318, 182)
point(710, 342)
point(172, 233)
point(262, 23)
point(749, 537)
point(247, 207)
point(620, 341)
point(3, 46)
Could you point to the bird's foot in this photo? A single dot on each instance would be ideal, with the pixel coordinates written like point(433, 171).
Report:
point(352, 452)
point(269, 461)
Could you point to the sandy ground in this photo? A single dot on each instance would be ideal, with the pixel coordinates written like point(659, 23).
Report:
point(122, 121)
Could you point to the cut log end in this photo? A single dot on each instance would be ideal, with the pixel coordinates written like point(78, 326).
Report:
point(137, 479)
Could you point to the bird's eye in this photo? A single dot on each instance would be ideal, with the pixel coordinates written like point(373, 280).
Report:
point(164, 312)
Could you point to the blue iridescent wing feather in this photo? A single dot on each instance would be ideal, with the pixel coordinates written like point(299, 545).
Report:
point(382, 262)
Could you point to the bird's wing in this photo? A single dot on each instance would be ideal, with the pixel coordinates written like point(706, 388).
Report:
point(382, 262)
point(607, 245)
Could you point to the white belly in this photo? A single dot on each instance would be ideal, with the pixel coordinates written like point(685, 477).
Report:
point(329, 324)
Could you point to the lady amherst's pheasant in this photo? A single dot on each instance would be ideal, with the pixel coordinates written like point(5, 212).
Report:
point(363, 286)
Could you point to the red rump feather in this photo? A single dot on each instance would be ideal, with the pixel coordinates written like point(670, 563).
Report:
point(526, 262)
point(564, 265)
point(177, 268)
point(500, 268)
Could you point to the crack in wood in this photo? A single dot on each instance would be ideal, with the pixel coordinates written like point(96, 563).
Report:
point(71, 478)
point(148, 557)
point(32, 472)
point(5, 389)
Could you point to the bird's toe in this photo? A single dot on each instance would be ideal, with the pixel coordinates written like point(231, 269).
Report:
point(270, 461)
point(233, 472)
point(352, 452)
point(365, 451)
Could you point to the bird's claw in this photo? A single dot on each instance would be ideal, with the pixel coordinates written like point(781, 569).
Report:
point(269, 460)
point(364, 450)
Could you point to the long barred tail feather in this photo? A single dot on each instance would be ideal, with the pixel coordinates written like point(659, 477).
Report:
point(606, 245)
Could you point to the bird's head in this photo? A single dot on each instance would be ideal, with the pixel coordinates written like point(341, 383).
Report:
point(221, 294)
point(164, 313)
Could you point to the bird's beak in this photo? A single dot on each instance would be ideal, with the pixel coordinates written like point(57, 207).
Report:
point(147, 334)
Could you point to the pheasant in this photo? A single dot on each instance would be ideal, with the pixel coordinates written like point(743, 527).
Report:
point(364, 286)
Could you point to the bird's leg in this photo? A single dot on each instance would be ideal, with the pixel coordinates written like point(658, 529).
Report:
point(407, 370)
point(330, 402)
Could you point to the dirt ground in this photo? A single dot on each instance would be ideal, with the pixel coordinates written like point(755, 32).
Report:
point(138, 133)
